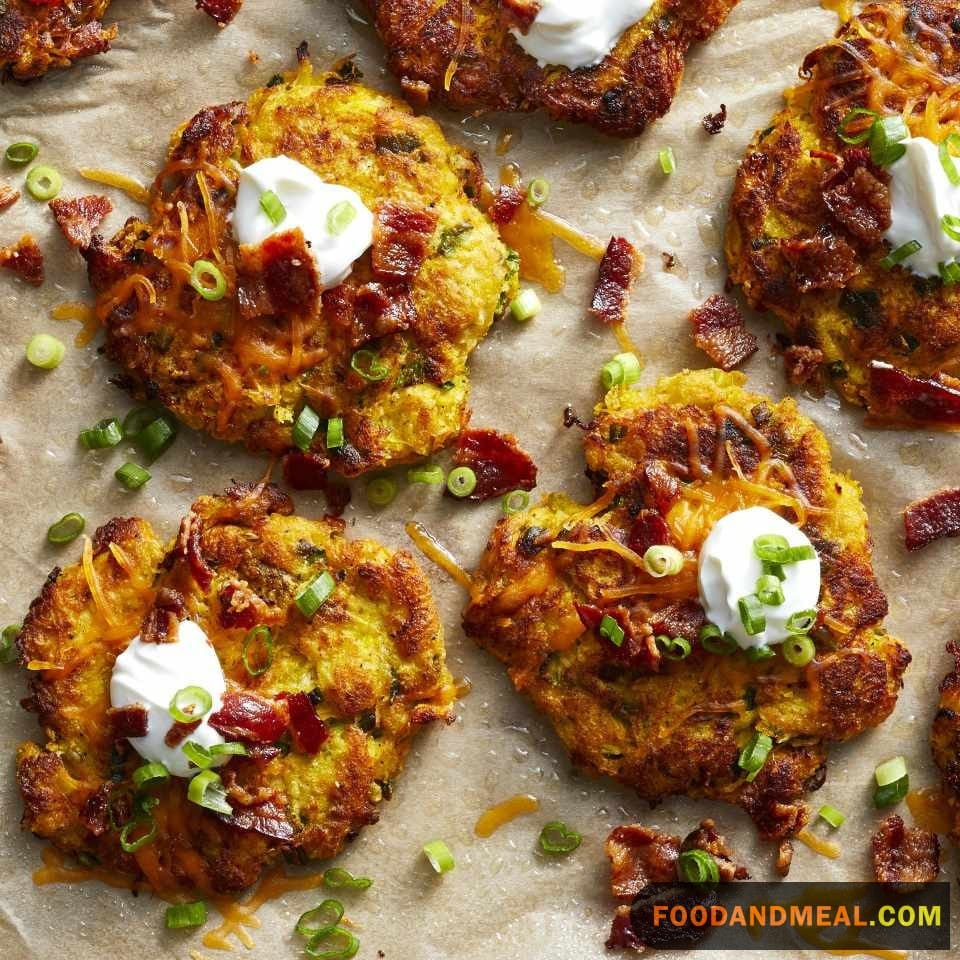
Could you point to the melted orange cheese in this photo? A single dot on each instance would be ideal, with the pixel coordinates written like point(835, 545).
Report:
point(497, 816)
point(132, 188)
point(80, 313)
point(434, 550)
point(826, 848)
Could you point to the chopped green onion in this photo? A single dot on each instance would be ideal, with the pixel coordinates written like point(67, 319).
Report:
point(335, 436)
point(893, 783)
point(136, 420)
point(771, 548)
point(611, 630)
point(231, 749)
point(461, 481)
point(273, 207)
point(340, 217)
point(338, 944)
point(381, 491)
point(623, 370)
point(321, 919)
point(189, 704)
point(759, 654)
point(950, 273)
point(538, 192)
point(259, 636)
point(832, 815)
point(864, 135)
point(801, 553)
point(337, 878)
point(66, 529)
point(184, 915)
point(662, 560)
point(697, 866)
point(799, 650)
point(8, 642)
point(886, 136)
point(156, 437)
point(150, 775)
point(305, 428)
point(557, 838)
point(132, 846)
point(890, 771)
point(751, 615)
point(439, 856)
point(198, 754)
point(773, 570)
point(426, 474)
point(366, 364)
point(754, 755)
point(802, 621)
point(769, 591)
point(525, 306)
point(21, 153)
point(713, 640)
point(673, 648)
point(314, 594)
point(903, 252)
point(45, 352)
point(668, 160)
point(43, 183)
point(208, 280)
point(946, 159)
point(106, 433)
point(515, 502)
point(950, 225)
point(206, 790)
point(132, 476)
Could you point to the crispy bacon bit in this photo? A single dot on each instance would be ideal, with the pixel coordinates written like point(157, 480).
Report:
point(640, 856)
point(507, 201)
point(895, 396)
point(95, 813)
point(685, 618)
point(904, 856)
point(160, 624)
point(861, 205)
point(932, 518)
point(619, 269)
point(129, 721)
point(223, 11)
point(635, 652)
point(309, 731)
point(268, 819)
point(661, 486)
point(370, 311)
point(79, 218)
point(8, 196)
point(498, 462)
point(784, 857)
point(401, 240)
point(706, 838)
point(24, 258)
point(289, 272)
point(238, 606)
point(179, 732)
point(622, 936)
point(648, 530)
point(720, 332)
point(247, 717)
point(714, 123)
point(820, 263)
point(263, 753)
point(309, 471)
point(521, 13)
point(188, 547)
point(803, 363)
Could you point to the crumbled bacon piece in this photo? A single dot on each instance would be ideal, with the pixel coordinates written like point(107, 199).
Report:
point(369, 312)
point(497, 460)
point(861, 205)
point(79, 218)
point(622, 936)
point(247, 717)
point(188, 547)
point(635, 652)
point(720, 332)
point(685, 618)
point(289, 271)
point(309, 731)
point(223, 11)
point(310, 471)
point(803, 363)
point(129, 721)
point(648, 530)
point(268, 819)
point(820, 263)
point(25, 259)
point(640, 856)
point(714, 123)
point(179, 732)
point(401, 240)
point(904, 856)
point(619, 268)
point(8, 196)
point(706, 838)
point(661, 486)
point(506, 202)
point(895, 396)
point(95, 813)
point(238, 606)
point(521, 13)
point(932, 518)
point(160, 624)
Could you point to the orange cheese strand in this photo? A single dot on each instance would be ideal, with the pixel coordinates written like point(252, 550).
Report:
point(825, 848)
point(612, 546)
point(434, 550)
point(497, 816)
point(81, 313)
point(56, 870)
point(132, 188)
point(93, 582)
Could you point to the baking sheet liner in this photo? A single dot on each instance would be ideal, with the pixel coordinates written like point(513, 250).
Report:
point(503, 899)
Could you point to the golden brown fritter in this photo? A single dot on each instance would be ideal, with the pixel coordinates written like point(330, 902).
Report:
point(945, 741)
point(667, 464)
point(241, 368)
point(370, 663)
point(805, 233)
point(461, 53)
point(38, 36)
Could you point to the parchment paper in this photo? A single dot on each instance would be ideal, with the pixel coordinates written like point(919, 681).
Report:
point(503, 899)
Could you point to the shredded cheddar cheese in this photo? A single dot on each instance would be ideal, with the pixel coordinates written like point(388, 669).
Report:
point(93, 582)
point(431, 548)
point(501, 814)
point(81, 313)
point(826, 848)
point(132, 188)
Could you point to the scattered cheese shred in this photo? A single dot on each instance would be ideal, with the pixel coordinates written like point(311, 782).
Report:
point(132, 188)
point(93, 582)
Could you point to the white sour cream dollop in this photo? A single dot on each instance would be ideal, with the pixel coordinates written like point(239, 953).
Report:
point(579, 33)
point(150, 674)
point(729, 570)
point(308, 201)
point(920, 194)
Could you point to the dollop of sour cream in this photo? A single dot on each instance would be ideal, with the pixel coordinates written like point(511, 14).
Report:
point(729, 570)
point(920, 194)
point(579, 33)
point(321, 210)
point(150, 674)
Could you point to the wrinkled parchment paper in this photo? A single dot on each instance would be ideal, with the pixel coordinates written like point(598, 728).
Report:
point(503, 899)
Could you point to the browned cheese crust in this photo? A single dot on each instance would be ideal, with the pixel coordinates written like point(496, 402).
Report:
point(461, 53)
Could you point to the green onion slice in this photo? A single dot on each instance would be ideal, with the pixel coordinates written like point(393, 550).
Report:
point(206, 790)
point(150, 775)
point(367, 364)
point(426, 474)
point(538, 192)
point(515, 502)
point(181, 916)
point(673, 648)
point(335, 434)
point(259, 639)
point(43, 183)
point(799, 650)
point(832, 815)
point(713, 640)
point(198, 754)
point(228, 750)
point(668, 160)
point(381, 491)
point(314, 594)
point(623, 370)
point(321, 919)
point(799, 554)
point(751, 614)
point(557, 838)
point(338, 944)
point(106, 433)
point(886, 136)
point(771, 548)
point(66, 529)
point(525, 306)
point(697, 866)
point(950, 272)
point(946, 158)
point(156, 437)
point(950, 225)
point(902, 253)
point(802, 621)
point(754, 755)
point(136, 420)
point(189, 704)
point(21, 153)
point(611, 630)
point(864, 135)
point(769, 590)
point(45, 352)
point(340, 217)
point(273, 207)
point(759, 654)
point(461, 482)
point(439, 856)
point(208, 280)
point(890, 771)
point(132, 476)
point(8, 642)
point(662, 560)
point(305, 428)
point(129, 845)
point(336, 878)
point(891, 793)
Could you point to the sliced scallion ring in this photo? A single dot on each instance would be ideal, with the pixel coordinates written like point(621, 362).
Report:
point(130, 844)
point(43, 183)
point(799, 650)
point(259, 642)
point(752, 617)
point(949, 272)
point(231, 749)
point(340, 217)
point(864, 135)
point(886, 140)
point(320, 920)
point(950, 225)
point(802, 621)
point(754, 755)
point(136, 420)
point(208, 280)
point(623, 370)
point(45, 352)
point(439, 856)
point(770, 590)
point(901, 254)
point(611, 630)
point(336, 437)
point(336, 878)
point(668, 160)
point(367, 364)
point(314, 593)
point(662, 560)
point(426, 474)
point(697, 866)
point(8, 642)
point(190, 704)
point(890, 771)
point(206, 790)
point(66, 529)
point(150, 775)
point(951, 143)
point(771, 548)
point(525, 306)
point(461, 482)
point(515, 502)
point(131, 476)
point(305, 428)
point(339, 944)
point(107, 433)
point(197, 754)
point(273, 207)
point(156, 437)
point(557, 838)
point(381, 491)
point(673, 648)
point(715, 641)
point(182, 916)
point(538, 192)
point(760, 653)
point(893, 783)
point(832, 815)
point(21, 153)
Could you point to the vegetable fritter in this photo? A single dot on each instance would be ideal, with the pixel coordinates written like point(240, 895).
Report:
point(945, 741)
point(805, 235)
point(461, 53)
point(243, 367)
point(369, 664)
point(667, 463)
